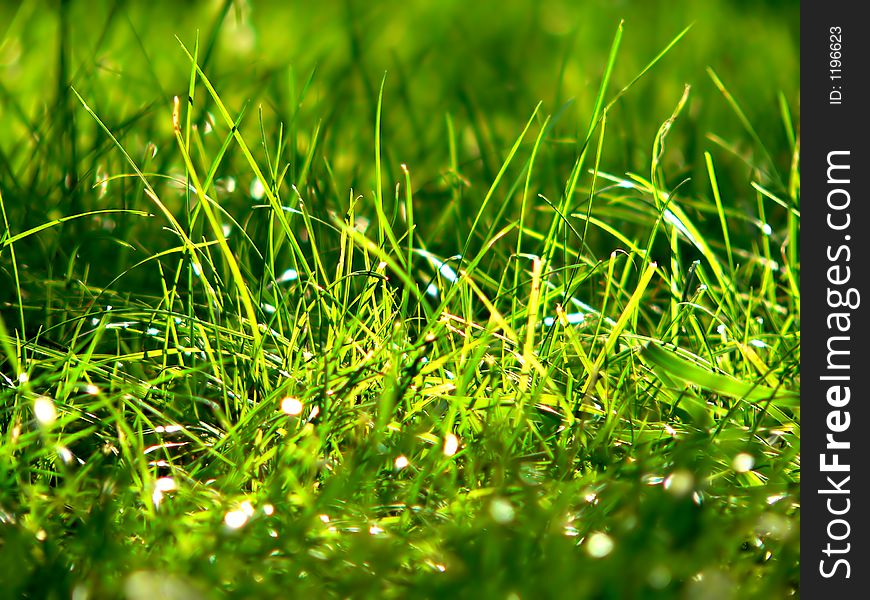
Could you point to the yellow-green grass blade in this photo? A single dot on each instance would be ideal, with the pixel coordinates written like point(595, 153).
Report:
point(691, 372)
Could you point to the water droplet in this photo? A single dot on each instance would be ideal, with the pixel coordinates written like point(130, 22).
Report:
point(375, 530)
point(502, 511)
point(758, 343)
point(743, 462)
point(291, 406)
point(152, 331)
point(773, 525)
point(44, 411)
point(652, 479)
point(92, 389)
point(268, 510)
point(168, 429)
point(766, 229)
point(451, 444)
point(65, 455)
point(679, 483)
point(235, 519)
point(23, 378)
point(256, 189)
point(599, 545)
point(165, 484)
point(288, 275)
point(402, 462)
point(659, 577)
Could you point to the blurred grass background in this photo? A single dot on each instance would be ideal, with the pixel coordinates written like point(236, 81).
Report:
point(484, 64)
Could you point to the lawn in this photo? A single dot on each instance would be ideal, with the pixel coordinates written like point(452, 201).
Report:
point(399, 300)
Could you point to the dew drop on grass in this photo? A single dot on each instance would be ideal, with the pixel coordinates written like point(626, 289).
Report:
point(161, 487)
point(599, 545)
point(235, 519)
point(152, 331)
point(23, 378)
point(44, 411)
point(256, 189)
point(502, 511)
point(375, 530)
point(91, 389)
point(451, 444)
point(402, 462)
point(659, 577)
point(165, 484)
point(288, 275)
point(773, 525)
point(679, 483)
point(291, 406)
point(168, 429)
point(743, 462)
point(65, 455)
point(766, 229)
point(268, 510)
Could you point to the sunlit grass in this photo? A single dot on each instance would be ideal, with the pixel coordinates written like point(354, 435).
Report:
point(262, 349)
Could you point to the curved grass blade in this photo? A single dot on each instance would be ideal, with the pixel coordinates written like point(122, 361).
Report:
point(690, 372)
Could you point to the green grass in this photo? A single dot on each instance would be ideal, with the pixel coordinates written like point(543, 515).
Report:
point(390, 301)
